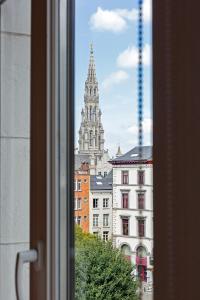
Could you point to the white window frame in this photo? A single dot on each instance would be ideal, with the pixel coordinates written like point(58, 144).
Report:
point(105, 200)
point(95, 220)
point(105, 220)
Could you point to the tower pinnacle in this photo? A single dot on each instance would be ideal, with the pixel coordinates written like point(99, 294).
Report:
point(91, 133)
point(91, 78)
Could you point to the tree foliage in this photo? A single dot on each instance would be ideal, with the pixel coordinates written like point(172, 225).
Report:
point(102, 272)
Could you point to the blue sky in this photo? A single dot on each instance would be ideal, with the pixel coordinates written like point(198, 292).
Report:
point(111, 25)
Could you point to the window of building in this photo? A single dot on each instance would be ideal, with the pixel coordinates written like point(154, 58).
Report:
point(105, 219)
point(78, 220)
point(105, 174)
point(95, 202)
point(141, 252)
point(79, 185)
point(99, 173)
point(141, 201)
point(79, 203)
point(125, 200)
point(105, 236)
point(75, 185)
point(125, 226)
point(124, 177)
point(105, 202)
point(140, 177)
point(141, 227)
point(126, 251)
point(95, 220)
point(91, 138)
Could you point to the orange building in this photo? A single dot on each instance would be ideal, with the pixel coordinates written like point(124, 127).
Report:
point(81, 196)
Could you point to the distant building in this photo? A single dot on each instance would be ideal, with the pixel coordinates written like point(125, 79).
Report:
point(81, 195)
point(133, 208)
point(91, 133)
point(101, 206)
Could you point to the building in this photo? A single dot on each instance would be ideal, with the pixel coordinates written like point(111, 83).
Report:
point(81, 195)
point(91, 133)
point(133, 208)
point(101, 206)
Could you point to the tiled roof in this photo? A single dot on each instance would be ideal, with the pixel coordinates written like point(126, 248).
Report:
point(132, 156)
point(98, 182)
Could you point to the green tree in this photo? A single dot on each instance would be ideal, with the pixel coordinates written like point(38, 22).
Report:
point(102, 272)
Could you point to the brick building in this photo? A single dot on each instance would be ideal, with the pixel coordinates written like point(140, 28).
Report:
point(81, 195)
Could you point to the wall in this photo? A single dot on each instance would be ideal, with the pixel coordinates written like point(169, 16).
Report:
point(14, 141)
point(84, 195)
point(100, 211)
point(132, 212)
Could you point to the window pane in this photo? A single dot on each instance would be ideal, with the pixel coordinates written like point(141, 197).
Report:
point(112, 108)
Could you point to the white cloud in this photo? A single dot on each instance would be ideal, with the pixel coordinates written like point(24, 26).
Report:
point(130, 15)
point(147, 10)
point(129, 57)
point(114, 78)
point(116, 20)
point(108, 20)
point(146, 124)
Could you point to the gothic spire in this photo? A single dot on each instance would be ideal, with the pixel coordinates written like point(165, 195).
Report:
point(91, 69)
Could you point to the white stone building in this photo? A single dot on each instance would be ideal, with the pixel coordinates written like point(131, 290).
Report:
point(100, 206)
point(91, 133)
point(133, 208)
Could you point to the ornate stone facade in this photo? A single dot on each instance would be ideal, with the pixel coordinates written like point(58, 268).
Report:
point(91, 132)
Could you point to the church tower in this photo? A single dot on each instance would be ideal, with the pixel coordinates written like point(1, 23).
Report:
point(91, 133)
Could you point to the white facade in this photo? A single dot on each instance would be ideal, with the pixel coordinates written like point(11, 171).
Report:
point(132, 213)
point(102, 227)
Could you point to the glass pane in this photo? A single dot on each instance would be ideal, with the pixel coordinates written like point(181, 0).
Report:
point(113, 186)
point(14, 141)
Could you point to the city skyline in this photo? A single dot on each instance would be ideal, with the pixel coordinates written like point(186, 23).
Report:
point(105, 24)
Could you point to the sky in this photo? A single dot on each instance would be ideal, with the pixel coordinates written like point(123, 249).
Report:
point(111, 25)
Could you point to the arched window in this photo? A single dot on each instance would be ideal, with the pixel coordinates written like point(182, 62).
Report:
point(141, 252)
point(96, 138)
point(86, 112)
point(94, 114)
point(126, 251)
point(90, 137)
point(90, 91)
point(99, 142)
point(90, 113)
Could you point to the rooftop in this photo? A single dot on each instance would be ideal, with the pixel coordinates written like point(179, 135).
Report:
point(98, 182)
point(133, 156)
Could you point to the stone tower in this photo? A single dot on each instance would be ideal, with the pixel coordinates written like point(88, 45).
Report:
point(91, 133)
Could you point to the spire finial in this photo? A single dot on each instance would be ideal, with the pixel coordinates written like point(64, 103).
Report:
point(119, 152)
point(91, 69)
point(91, 49)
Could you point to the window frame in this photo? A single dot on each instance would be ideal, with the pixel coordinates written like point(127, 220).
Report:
point(95, 220)
point(95, 203)
point(107, 201)
point(128, 227)
point(141, 219)
point(125, 182)
point(139, 181)
point(106, 218)
point(138, 200)
point(122, 195)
